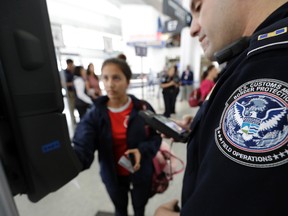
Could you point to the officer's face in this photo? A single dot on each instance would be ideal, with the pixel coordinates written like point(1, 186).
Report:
point(217, 23)
point(114, 81)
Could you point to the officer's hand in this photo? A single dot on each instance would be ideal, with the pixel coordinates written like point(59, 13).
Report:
point(137, 157)
point(185, 122)
point(168, 209)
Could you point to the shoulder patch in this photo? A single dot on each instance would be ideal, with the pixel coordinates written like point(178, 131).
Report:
point(253, 129)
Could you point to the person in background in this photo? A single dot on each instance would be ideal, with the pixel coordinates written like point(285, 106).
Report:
point(114, 129)
point(83, 101)
point(150, 80)
point(208, 81)
point(170, 87)
point(177, 89)
point(69, 76)
point(187, 79)
point(237, 157)
point(94, 90)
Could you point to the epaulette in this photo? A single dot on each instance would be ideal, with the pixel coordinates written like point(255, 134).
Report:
point(272, 37)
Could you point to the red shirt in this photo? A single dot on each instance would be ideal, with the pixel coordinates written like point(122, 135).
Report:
point(119, 122)
point(205, 88)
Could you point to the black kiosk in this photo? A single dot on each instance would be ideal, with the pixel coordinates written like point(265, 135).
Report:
point(36, 156)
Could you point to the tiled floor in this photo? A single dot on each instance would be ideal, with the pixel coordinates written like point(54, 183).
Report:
point(86, 196)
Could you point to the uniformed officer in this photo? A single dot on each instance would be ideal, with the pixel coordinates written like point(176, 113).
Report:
point(237, 154)
point(170, 85)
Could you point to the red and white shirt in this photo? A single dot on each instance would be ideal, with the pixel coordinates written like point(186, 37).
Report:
point(119, 123)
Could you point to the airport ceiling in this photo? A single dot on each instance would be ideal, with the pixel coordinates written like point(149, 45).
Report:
point(104, 16)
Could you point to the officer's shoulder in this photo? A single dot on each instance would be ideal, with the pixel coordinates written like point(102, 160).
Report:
point(272, 37)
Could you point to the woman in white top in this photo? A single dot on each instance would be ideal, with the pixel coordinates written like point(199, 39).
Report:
point(83, 101)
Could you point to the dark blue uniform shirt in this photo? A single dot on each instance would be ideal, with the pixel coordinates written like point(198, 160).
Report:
point(237, 155)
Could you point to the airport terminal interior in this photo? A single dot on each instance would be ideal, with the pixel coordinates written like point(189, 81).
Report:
point(90, 31)
point(86, 194)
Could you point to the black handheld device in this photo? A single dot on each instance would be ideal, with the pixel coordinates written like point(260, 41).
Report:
point(165, 126)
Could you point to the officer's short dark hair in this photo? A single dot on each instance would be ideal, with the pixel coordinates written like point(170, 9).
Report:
point(122, 64)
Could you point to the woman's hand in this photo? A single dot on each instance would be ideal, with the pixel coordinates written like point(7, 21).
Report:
point(137, 157)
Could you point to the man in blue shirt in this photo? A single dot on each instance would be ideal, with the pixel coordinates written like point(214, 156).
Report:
point(187, 79)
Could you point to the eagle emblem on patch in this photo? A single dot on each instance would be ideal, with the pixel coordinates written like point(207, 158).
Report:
point(254, 125)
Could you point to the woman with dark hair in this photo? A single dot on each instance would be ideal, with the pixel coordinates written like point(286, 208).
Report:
point(94, 90)
point(208, 81)
point(114, 129)
point(83, 101)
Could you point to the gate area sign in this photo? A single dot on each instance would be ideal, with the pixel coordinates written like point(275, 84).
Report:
point(141, 51)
